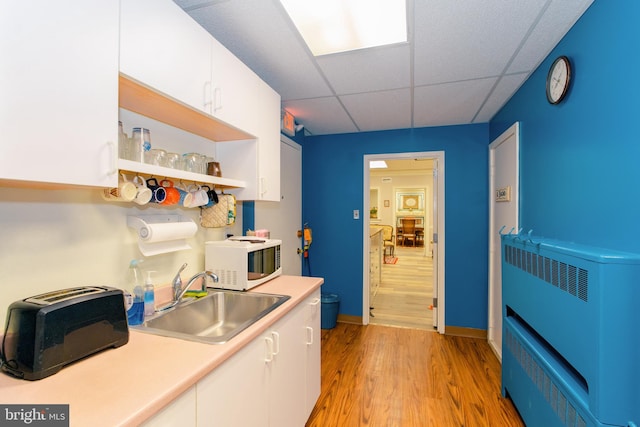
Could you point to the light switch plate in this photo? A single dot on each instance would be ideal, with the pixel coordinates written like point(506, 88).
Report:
point(356, 214)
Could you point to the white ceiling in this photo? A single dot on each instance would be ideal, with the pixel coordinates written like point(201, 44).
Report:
point(463, 61)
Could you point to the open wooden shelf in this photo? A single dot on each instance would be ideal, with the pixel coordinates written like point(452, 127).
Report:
point(141, 99)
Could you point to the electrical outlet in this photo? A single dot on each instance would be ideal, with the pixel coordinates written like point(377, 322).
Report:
point(356, 214)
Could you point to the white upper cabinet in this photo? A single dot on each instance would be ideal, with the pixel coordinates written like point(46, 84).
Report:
point(59, 92)
point(163, 47)
point(242, 99)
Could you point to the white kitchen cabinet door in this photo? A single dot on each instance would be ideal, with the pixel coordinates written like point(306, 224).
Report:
point(312, 359)
point(287, 371)
point(242, 99)
point(235, 394)
point(59, 92)
point(164, 48)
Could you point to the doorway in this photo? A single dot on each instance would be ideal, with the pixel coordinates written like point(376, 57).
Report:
point(426, 203)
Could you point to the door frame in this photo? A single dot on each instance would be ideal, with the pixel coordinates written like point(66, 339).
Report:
point(438, 248)
point(494, 324)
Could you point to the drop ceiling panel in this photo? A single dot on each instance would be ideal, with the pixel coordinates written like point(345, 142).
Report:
point(552, 27)
point(503, 91)
point(457, 40)
point(380, 110)
point(321, 115)
point(368, 69)
point(450, 103)
point(260, 36)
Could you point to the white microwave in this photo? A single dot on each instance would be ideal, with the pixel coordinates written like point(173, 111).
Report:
point(242, 263)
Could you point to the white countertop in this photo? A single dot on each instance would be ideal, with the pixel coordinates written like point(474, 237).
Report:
point(127, 385)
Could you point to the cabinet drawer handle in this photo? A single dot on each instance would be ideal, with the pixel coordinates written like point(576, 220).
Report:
point(309, 335)
point(276, 341)
point(269, 350)
point(316, 301)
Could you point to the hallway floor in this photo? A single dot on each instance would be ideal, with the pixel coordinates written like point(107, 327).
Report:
point(405, 292)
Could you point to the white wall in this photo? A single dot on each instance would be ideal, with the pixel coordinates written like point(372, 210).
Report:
point(54, 239)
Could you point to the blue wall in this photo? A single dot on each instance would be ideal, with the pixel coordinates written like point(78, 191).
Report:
point(333, 188)
point(580, 160)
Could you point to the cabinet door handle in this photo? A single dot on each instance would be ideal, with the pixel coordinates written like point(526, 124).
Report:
point(206, 96)
point(263, 186)
point(217, 99)
point(309, 335)
point(316, 301)
point(269, 350)
point(113, 158)
point(276, 341)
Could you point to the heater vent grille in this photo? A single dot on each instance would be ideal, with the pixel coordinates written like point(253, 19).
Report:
point(552, 392)
point(566, 277)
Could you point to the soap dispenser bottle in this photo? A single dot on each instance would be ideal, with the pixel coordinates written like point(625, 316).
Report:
point(134, 297)
point(149, 296)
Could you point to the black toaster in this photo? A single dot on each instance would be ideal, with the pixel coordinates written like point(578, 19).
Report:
point(45, 332)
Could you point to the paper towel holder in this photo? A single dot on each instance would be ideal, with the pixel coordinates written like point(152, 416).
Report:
point(159, 234)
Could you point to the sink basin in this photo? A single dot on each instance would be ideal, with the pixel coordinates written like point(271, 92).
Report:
point(214, 318)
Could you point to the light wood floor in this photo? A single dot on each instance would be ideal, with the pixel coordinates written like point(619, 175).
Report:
point(405, 292)
point(396, 377)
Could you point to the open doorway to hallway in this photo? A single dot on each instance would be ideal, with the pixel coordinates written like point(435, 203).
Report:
point(403, 289)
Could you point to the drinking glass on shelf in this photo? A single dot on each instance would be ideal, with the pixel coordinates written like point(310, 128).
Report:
point(172, 160)
point(191, 162)
point(155, 156)
point(123, 142)
point(140, 143)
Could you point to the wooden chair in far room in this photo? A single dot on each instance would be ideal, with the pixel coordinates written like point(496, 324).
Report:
point(388, 239)
point(408, 231)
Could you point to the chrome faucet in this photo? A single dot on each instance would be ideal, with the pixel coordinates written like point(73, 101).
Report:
point(179, 290)
point(202, 274)
point(176, 284)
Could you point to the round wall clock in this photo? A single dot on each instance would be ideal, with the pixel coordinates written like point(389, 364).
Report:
point(558, 79)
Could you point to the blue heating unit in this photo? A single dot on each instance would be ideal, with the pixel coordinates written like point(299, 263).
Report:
point(571, 333)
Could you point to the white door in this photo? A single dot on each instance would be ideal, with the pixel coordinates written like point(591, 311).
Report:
point(503, 212)
point(284, 218)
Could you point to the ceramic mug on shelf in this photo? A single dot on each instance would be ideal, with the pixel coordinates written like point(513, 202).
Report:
point(159, 192)
point(144, 194)
point(124, 192)
point(212, 195)
point(183, 192)
point(173, 195)
point(196, 197)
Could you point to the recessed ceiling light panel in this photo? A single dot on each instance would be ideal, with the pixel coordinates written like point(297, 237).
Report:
point(331, 26)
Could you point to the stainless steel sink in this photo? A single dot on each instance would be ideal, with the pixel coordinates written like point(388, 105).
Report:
point(212, 319)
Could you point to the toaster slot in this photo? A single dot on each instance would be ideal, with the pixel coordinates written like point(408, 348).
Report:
point(63, 295)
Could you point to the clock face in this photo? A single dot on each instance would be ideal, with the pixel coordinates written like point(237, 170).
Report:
point(558, 80)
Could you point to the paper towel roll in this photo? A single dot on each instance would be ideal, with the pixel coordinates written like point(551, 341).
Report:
point(159, 234)
point(162, 232)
